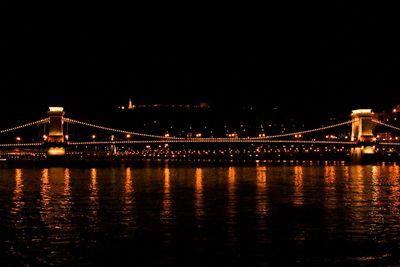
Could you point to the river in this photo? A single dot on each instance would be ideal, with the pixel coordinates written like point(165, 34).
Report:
point(200, 214)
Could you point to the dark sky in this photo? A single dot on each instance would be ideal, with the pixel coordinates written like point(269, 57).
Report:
point(307, 57)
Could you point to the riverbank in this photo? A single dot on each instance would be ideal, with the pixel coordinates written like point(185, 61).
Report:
point(154, 162)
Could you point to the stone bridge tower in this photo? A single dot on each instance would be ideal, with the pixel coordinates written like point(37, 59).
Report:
point(55, 139)
point(362, 132)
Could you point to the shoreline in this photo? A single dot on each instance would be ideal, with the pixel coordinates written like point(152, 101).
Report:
point(156, 162)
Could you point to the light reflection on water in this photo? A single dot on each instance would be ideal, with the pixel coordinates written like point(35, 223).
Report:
point(93, 201)
point(45, 196)
point(231, 206)
point(298, 197)
point(330, 187)
point(18, 192)
point(198, 204)
point(279, 215)
point(127, 210)
point(262, 202)
point(166, 214)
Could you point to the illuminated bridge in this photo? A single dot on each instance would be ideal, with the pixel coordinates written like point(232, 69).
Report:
point(55, 141)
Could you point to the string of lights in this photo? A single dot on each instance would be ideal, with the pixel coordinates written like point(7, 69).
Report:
point(385, 124)
point(210, 140)
point(389, 144)
point(305, 131)
point(21, 144)
point(68, 120)
point(42, 121)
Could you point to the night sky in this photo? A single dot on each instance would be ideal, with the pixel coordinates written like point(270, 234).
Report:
point(330, 58)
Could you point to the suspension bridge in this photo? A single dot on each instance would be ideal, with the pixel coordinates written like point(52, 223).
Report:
point(55, 141)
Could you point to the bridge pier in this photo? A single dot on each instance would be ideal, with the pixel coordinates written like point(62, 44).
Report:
point(55, 140)
point(362, 132)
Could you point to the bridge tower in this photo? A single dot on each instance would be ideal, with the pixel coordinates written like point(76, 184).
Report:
point(55, 139)
point(362, 132)
point(362, 127)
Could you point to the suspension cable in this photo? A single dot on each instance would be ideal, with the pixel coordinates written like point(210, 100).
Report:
point(305, 131)
point(42, 121)
point(387, 125)
point(68, 120)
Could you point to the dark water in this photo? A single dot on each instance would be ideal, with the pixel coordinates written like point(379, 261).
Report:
point(200, 216)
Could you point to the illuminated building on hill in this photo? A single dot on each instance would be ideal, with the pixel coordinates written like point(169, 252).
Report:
point(202, 105)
